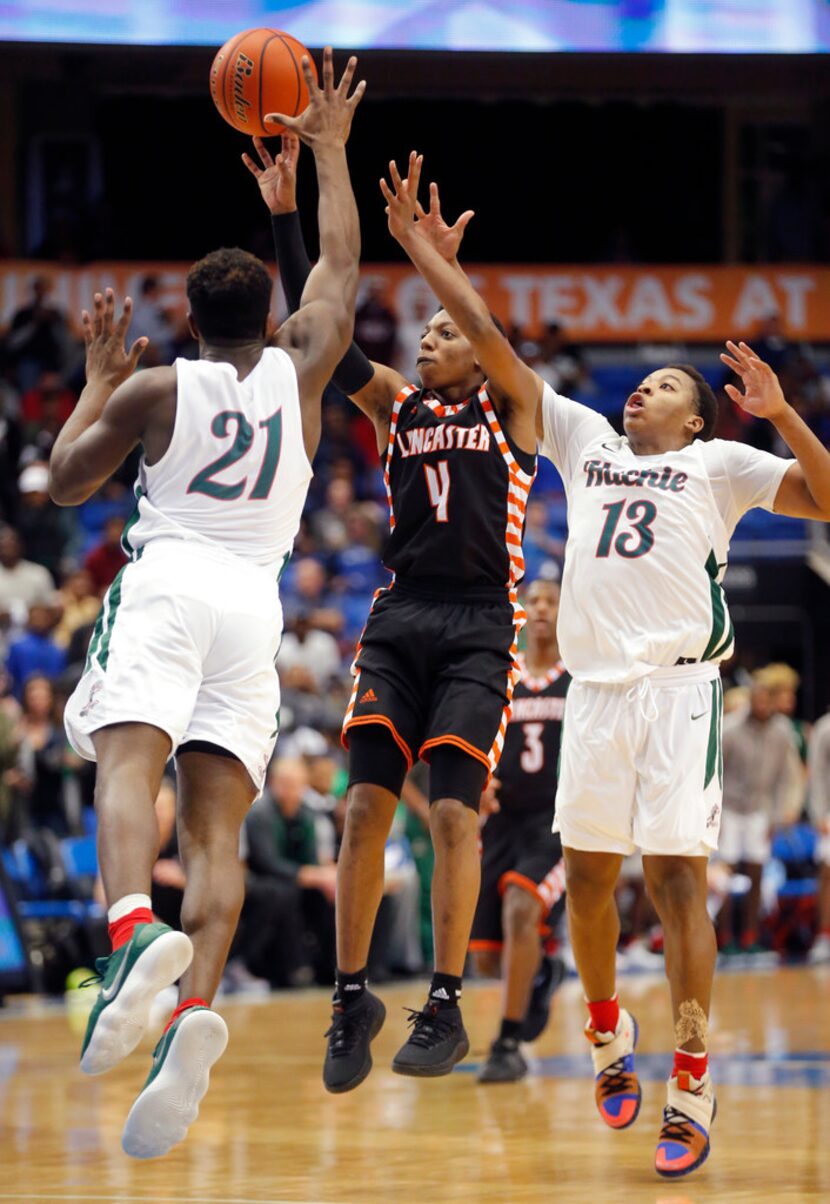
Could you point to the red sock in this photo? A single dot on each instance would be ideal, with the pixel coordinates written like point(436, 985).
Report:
point(686, 1063)
point(121, 930)
point(195, 1002)
point(605, 1015)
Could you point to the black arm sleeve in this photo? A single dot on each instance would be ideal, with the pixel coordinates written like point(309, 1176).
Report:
point(354, 370)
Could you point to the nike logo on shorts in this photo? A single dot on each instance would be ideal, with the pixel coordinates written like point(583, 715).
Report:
point(700, 716)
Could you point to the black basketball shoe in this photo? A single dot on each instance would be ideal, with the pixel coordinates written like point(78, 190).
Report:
point(552, 973)
point(348, 1057)
point(504, 1064)
point(436, 1043)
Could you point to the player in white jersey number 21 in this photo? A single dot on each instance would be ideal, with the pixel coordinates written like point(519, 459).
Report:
point(643, 623)
point(182, 657)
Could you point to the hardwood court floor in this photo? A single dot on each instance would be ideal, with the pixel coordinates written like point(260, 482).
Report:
point(268, 1131)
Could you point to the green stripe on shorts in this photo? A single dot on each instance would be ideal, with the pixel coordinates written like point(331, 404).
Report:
point(114, 599)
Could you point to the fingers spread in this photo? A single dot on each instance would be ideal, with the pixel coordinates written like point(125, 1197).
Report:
point(347, 76)
point(734, 393)
point(733, 364)
point(328, 70)
point(434, 200)
point(263, 152)
point(311, 83)
point(251, 166)
point(124, 320)
point(357, 95)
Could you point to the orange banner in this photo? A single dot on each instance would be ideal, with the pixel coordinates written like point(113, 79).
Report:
point(596, 304)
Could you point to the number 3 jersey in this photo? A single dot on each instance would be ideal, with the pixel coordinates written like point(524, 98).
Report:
point(528, 766)
point(648, 538)
point(236, 472)
point(457, 490)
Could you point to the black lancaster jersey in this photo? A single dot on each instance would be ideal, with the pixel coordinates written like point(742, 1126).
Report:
point(527, 770)
point(457, 493)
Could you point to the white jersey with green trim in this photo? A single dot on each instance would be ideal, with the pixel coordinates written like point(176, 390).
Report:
point(236, 472)
point(648, 538)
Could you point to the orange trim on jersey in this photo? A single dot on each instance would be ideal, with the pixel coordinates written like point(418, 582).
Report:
point(397, 405)
point(362, 720)
point(536, 684)
point(486, 946)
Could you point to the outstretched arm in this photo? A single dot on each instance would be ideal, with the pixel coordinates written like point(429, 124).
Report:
point(319, 333)
point(513, 383)
point(372, 387)
point(804, 491)
point(113, 409)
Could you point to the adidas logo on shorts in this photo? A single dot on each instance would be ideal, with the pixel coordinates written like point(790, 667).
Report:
point(369, 696)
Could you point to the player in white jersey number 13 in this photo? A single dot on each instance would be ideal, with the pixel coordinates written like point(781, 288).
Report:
point(182, 657)
point(643, 623)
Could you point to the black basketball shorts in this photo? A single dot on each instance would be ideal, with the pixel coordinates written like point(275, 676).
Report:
point(518, 850)
point(437, 671)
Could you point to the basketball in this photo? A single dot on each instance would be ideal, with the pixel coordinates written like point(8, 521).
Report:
point(258, 72)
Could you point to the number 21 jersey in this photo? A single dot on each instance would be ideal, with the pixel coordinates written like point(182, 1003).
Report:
point(457, 490)
point(648, 538)
point(236, 472)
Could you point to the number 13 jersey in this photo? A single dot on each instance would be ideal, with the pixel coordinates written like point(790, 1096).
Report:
point(648, 538)
point(235, 472)
point(457, 490)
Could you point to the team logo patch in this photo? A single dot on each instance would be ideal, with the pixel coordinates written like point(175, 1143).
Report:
point(93, 700)
point(713, 816)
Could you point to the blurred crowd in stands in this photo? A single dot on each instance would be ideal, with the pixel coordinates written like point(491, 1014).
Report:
point(56, 564)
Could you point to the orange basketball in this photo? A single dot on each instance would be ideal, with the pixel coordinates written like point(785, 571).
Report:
point(259, 72)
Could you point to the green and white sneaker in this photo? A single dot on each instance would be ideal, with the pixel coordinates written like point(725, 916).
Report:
point(169, 1101)
point(154, 957)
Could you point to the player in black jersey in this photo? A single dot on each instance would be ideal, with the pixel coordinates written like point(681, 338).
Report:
point(435, 666)
point(522, 872)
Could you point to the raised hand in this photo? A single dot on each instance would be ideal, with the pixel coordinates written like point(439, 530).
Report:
point(327, 119)
point(402, 204)
point(277, 178)
point(107, 358)
point(762, 396)
point(410, 215)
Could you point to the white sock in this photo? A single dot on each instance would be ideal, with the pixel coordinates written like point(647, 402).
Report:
point(126, 904)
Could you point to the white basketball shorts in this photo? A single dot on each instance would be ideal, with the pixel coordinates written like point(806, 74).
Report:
point(186, 641)
point(641, 764)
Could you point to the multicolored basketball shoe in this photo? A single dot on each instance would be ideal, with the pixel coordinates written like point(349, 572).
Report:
point(169, 1101)
point(617, 1089)
point(683, 1144)
point(153, 958)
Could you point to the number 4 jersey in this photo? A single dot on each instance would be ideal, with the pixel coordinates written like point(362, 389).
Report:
point(457, 491)
point(648, 538)
point(236, 471)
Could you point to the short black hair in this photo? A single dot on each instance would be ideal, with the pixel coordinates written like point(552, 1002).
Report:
point(229, 292)
point(706, 403)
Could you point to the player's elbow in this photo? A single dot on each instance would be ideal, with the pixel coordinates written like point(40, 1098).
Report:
point(62, 489)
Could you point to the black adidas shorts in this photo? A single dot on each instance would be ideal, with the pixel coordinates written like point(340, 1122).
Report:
point(436, 671)
point(518, 850)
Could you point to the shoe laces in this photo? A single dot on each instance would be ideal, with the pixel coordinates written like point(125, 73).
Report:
point(615, 1078)
point(99, 974)
point(429, 1027)
point(345, 1031)
point(676, 1126)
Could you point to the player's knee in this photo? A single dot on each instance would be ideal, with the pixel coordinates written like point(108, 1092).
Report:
point(677, 894)
point(520, 911)
point(488, 963)
point(590, 887)
point(452, 823)
point(364, 817)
